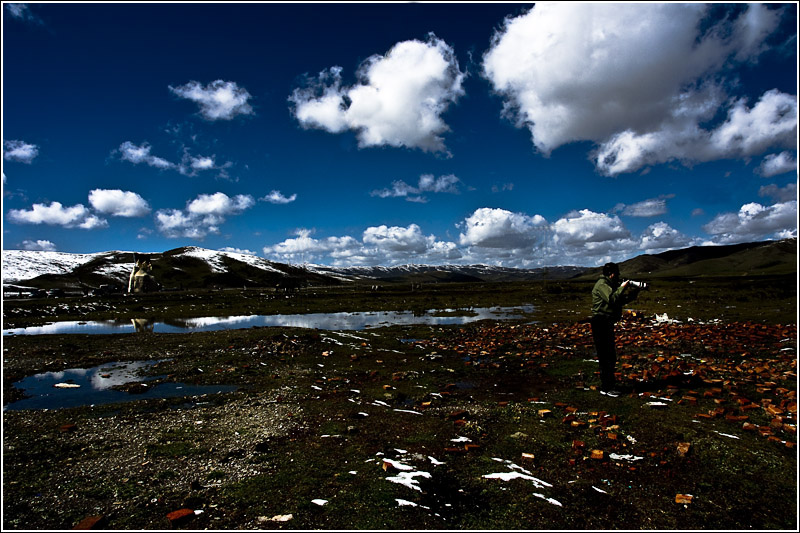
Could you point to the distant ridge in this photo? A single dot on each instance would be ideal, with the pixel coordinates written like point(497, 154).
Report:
point(192, 267)
point(746, 259)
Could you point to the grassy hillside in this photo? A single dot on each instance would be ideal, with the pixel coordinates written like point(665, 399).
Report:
point(771, 258)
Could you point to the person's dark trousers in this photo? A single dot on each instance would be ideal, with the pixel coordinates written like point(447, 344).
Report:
point(603, 335)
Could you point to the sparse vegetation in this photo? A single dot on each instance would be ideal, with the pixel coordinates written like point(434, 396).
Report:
point(343, 417)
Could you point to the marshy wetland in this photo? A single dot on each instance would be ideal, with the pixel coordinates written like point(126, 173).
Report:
point(492, 423)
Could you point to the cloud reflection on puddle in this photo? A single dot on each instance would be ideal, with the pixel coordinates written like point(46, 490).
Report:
point(77, 387)
point(327, 321)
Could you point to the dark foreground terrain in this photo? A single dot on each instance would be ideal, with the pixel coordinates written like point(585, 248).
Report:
point(490, 425)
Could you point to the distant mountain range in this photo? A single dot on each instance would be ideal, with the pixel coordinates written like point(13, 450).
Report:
point(193, 267)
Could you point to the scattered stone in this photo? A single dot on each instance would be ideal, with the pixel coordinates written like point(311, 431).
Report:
point(181, 516)
point(92, 522)
point(683, 448)
point(456, 450)
point(276, 518)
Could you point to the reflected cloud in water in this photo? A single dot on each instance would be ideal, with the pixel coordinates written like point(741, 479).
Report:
point(95, 386)
point(327, 321)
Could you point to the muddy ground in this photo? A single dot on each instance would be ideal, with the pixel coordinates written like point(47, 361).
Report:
point(481, 426)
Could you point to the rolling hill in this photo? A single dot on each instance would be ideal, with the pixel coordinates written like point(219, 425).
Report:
point(747, 259)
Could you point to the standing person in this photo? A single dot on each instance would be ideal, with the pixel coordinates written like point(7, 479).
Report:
point(608, 297)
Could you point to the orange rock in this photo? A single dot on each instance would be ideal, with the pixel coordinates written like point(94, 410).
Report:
point(683, 498)
point(92, 522)
point(736, 418)
point(180, 516)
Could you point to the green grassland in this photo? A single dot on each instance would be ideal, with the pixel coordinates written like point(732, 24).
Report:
point(481, 426)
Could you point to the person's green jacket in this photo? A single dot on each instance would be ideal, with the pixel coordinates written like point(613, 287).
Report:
point(608, 298)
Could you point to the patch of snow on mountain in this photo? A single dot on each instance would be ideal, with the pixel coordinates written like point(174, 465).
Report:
point(209, 256)
point(119, 271)
point(214, 259)
point(252, 260)
point(19, 265)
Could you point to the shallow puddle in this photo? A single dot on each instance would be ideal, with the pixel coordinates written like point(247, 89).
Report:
point(327, 321)
point(77, 387)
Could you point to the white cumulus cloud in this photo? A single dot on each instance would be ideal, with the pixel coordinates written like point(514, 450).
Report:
point(379, 245)
point(219, 100)
point(276, 197)
point(118, 203)
point(747, 132)
point(202, 216)
point(639, 80)
point(646, 208)
point(38, 245)
point(755, 222)
point(55, 214)
point(398, 101)
point(427, 183)
point(304, 247)
point(192, 165)
point(660, 236)
point(585, 236)
point(775, 164)
point(396, 239)
point(19, 151)
point(219, 204)
point(501, 229)
point(141, 154)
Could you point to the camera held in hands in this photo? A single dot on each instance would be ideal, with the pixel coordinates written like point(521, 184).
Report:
point(641, 285)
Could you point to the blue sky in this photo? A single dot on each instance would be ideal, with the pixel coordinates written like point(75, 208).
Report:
point(381, 134)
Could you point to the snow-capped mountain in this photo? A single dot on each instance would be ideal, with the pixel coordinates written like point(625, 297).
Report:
point(191, 267)
point(21, 265)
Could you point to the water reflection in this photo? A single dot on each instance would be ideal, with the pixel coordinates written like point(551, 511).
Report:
point(143, 325)
point(95, 386)
point(327, 321)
